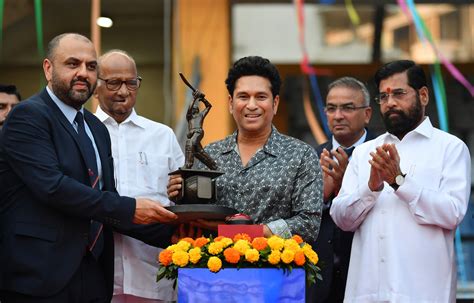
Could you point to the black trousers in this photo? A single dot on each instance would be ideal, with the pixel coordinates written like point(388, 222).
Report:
point(86, 286)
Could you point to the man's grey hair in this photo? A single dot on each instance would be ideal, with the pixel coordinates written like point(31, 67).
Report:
point(352, 83)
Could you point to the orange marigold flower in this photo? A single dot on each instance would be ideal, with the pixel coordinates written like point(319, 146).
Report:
point(217, 239)
point(300, 259)
point(165, 257)
point(242, 236)
point(231, 255)
point(200, 242)
point(214, 264)
point(297, 238)
point(259, 243)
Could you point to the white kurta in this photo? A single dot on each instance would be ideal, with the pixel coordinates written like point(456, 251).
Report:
point(403, 244)
point(144, 153)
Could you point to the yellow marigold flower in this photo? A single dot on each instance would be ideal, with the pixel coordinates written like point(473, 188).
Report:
point(215, 248)
point(214, 264)
point(241, 246)
point(310, 254)
point(297, 238)
point(292, 245)
point(274, 257)
point(183, 245)
point(252, 255)
point(165, 257)
point(173, 248)
point(287, 256)
point(232, 255)
point(275, 242)
point(226, 241)
point(242, 236)
point(188, 239)
point(200, 242)
point(259, 243)
point(180, 258)
point(194, 255)
point(300, 259)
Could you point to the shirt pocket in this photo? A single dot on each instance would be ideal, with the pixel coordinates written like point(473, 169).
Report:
point(152, 172)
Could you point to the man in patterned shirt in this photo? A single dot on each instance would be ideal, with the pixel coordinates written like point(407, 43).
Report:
point(273, 178)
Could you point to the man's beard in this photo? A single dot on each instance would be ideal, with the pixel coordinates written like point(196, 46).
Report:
point(405, 122)
point(69, 96)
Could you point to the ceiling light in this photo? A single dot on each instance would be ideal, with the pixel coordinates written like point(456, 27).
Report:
point(104, 22)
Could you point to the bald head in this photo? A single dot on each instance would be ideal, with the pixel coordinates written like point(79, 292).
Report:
point(54, 43)
point(117, 87)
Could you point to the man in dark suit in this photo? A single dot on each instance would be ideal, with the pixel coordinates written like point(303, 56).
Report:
point(348, 112)
point(57, 188)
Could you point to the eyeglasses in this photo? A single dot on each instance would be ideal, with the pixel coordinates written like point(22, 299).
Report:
point(116, 84)
point(345, 108)
point(397, 94)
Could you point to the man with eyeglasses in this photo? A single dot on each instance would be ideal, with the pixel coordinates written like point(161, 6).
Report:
point(403, 194)
point(348, 112)
point(144, 153)
point(58, 203)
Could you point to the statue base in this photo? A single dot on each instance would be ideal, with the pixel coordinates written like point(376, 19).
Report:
point(192, 212)
point(198, 187)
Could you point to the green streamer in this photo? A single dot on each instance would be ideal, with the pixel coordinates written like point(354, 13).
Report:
point(39, 28)
point(2, 5)
point(39, 36)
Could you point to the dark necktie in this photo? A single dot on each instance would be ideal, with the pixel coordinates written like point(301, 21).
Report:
point(349, 151)
point(96, 239)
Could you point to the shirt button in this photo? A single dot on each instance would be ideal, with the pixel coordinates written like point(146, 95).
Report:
point(383, 211)
point(381, 237)
point(329, 241)
point(382, 260)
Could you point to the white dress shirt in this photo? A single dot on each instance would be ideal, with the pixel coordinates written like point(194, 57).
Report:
point(403, 244)
point(144, 153)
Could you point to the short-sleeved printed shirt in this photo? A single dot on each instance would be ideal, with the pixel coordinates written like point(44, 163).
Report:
point(281, 186)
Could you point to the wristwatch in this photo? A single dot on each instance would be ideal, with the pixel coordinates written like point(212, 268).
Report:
point(399, 180)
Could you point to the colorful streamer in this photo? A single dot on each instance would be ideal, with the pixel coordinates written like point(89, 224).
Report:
point(440, 96)
point(39, 29)
point(352, 12)
point(408, 7)
point(307, 68)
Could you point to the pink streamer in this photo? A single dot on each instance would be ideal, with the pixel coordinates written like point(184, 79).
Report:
point(447, 64)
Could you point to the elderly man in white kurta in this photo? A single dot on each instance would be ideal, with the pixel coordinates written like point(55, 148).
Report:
point(404, 193)
point(144, 153)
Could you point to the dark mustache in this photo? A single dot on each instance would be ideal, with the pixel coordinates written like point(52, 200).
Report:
point(393, 111)
point(81, 80)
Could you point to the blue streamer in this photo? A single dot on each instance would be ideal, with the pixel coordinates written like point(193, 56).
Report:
point(443, 122)
point(416, 20)
point(319, 103)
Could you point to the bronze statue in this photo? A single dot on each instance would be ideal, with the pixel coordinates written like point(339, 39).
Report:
point(198, 184)
point(195, 134)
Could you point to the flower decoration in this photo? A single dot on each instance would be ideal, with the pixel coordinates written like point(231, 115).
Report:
point(241, 251)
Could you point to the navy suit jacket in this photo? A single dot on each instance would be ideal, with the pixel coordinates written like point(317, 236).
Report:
point(46, 202)
point(332, 241)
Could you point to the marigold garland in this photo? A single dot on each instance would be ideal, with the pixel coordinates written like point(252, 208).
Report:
point(242, 251)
